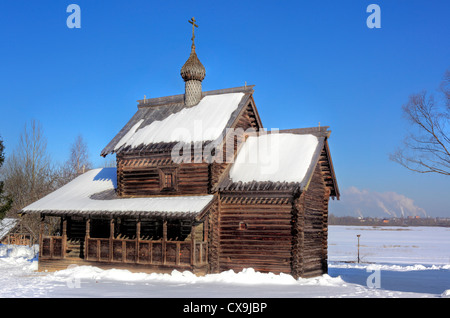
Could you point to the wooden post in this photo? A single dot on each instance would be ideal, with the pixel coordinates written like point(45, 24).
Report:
point(41, 234)
point(88, 228)
point(205, 239)
point(64, 237)
point(111, 228)
point(205, 229)
point(111, 238)
point(177, 252)
point(87, 236)
point(164, 241)
point(138, 229)
point(138, 237)
point(193, 262)
point(358, 235)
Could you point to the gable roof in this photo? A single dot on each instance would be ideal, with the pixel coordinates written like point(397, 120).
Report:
point(162, 122)
point(281, 160)
point(94, 193)
point(273, 157)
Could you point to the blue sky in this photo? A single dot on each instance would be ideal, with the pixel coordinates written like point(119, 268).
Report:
point(311, 62)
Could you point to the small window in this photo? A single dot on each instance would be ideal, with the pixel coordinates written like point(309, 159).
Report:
point(168, 179)
point(243, 226)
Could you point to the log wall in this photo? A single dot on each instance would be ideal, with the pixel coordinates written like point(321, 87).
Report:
point(310, 228)
point(273, 231)
point(255, 232)
point(140, 173)
point(142, 178)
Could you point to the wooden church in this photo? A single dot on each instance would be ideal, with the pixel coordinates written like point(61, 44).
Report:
point(199, 185)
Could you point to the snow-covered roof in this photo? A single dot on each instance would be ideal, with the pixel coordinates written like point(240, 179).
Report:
point(90, 193)
point(6, 225)
point(167, 120)
point(202, 122)
point(274, 157)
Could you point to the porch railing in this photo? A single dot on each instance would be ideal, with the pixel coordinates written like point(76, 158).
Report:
point(147, 252)
point(160, 252)
point(52, 247)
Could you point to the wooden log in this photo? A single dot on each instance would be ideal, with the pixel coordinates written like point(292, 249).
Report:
point(164, 240)
point(87, 236)
point(64, 237)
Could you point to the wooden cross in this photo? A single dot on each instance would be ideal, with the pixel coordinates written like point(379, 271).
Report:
point(192, 21)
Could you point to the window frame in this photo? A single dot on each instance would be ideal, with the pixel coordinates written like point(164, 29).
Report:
point(164, 173)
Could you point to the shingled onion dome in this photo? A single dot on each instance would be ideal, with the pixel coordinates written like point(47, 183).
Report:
point(193, 69)
point(193, 72)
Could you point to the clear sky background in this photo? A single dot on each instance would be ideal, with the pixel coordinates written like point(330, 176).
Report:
point(311, 62)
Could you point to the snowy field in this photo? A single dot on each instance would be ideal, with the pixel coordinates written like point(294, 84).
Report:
point(406, 262)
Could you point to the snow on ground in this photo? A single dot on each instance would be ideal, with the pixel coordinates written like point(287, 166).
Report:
point(411, 262)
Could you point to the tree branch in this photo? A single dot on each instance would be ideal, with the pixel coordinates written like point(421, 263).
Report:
point(426, 149)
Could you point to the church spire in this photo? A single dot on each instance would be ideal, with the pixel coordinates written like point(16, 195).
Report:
point(193, 73)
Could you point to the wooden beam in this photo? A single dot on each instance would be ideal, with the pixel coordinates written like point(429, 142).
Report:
point(111, 238)
point(193, 262)
point(64, 236)
point(41, 234)
point(87, 236)
point(138, 237)
point(164, 240)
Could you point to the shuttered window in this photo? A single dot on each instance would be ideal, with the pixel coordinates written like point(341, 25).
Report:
point(168, 179)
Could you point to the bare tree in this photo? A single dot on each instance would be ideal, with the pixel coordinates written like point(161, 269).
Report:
point(5, 200)
point(109, 162)
point(79, 156)
point(77, 163)
point(445, 89)
point(29, 173)
point(427, 147)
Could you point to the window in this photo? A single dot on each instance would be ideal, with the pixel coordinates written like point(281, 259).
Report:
point(168, 179)
point(243, 226)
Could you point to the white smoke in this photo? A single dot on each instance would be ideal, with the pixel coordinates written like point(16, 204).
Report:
point(377, 204)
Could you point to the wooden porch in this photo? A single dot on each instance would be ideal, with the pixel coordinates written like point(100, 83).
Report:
point(140, 253)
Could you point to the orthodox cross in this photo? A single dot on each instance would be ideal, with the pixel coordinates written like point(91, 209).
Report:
point(192, 21)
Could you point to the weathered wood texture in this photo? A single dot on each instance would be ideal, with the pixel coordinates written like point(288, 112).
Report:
point(274, 231)
point(255, 234)
point(310, 228)
point(20, 234)
point(269, 226)
point(326, 166)
point(127, 243)
point(137, 177)
point(140, 173)
point(213, 236)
